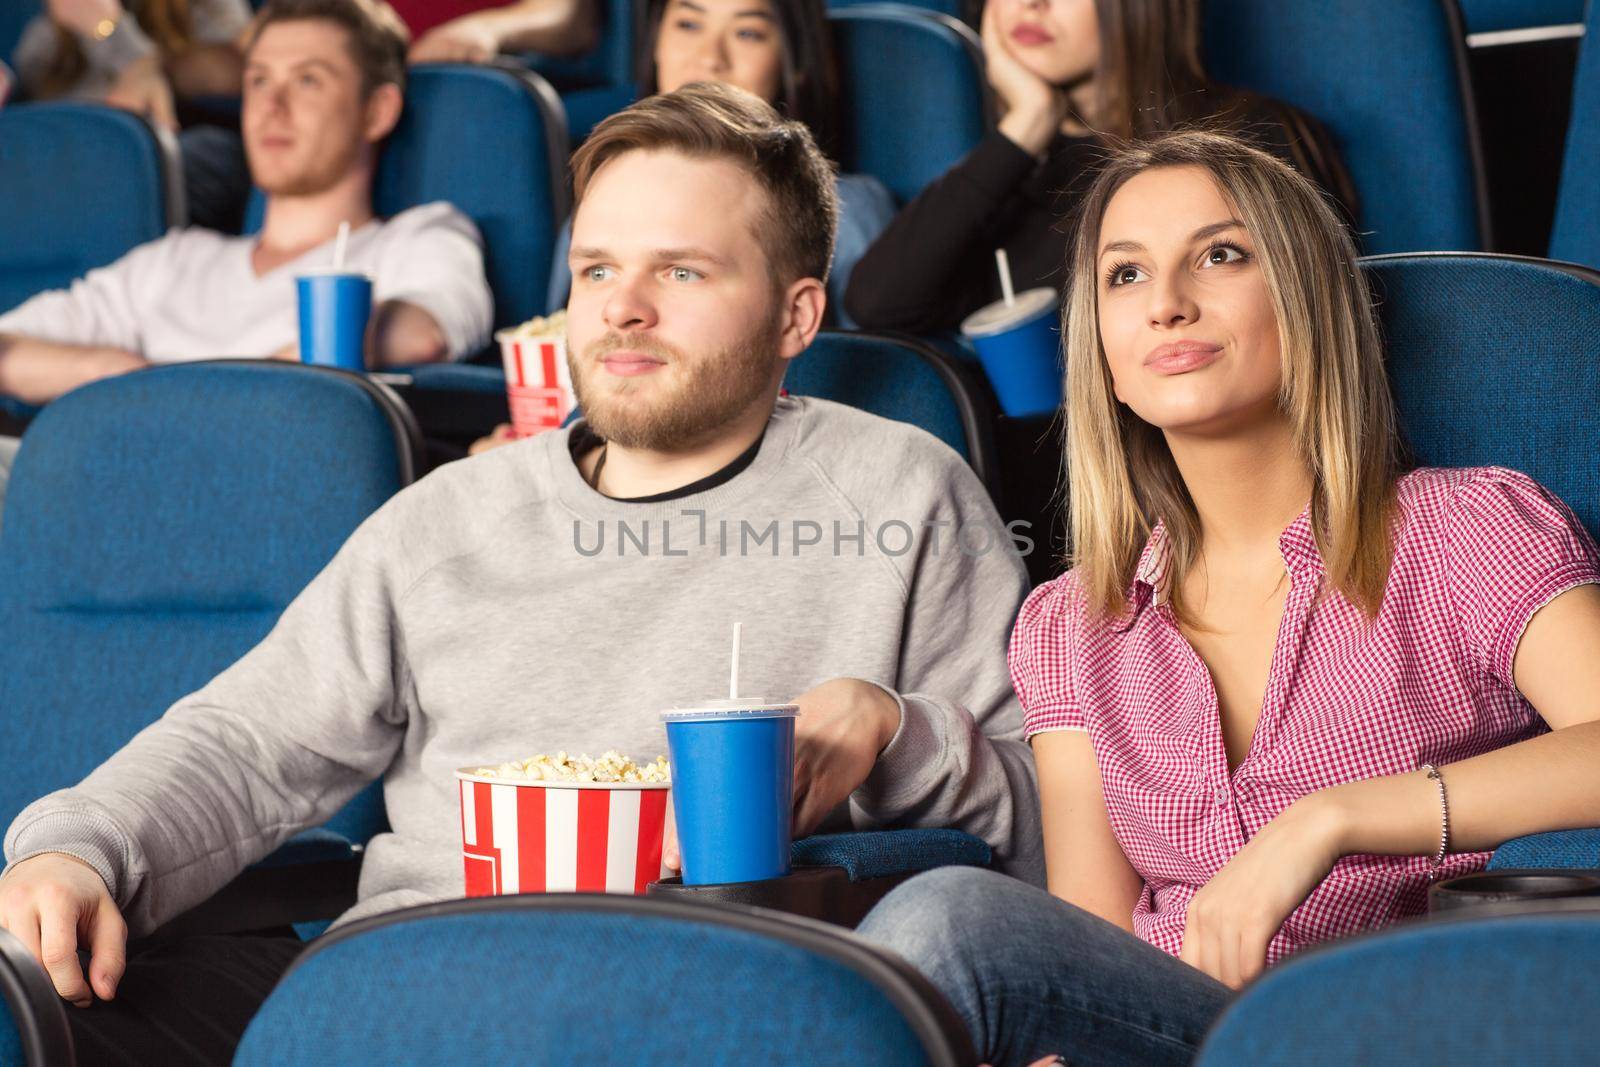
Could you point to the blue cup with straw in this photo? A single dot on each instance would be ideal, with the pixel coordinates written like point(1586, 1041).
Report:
point(733, 785)
point(1018, 339)
point(335, 307)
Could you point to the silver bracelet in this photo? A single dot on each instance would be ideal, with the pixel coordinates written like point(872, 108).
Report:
point(1444, 818)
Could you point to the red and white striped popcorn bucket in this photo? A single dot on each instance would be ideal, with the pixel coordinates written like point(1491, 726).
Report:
point(538, 383)
point(560, 837)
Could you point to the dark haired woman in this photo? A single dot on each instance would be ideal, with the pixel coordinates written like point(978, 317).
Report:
point(1073, 77)
point(780, 51)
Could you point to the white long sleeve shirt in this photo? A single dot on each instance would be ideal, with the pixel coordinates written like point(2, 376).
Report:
point(194, 294)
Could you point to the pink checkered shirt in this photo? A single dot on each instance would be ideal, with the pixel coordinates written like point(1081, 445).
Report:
point(1477, 552)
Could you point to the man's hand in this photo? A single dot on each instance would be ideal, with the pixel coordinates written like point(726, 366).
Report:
point(404, 334)
point(500, 435)
point(462, 40)
point(142, 88)
point(1236, 914)
point(54, 904)
point(843, 725)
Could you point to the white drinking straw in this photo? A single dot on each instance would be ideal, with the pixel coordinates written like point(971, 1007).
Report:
point(733, 679)
point(340, 241)
point(1004, 263)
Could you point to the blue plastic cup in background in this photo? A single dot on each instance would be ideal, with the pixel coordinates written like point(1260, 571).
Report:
point(1020, 349)
point(334, 308)
point(733, 789)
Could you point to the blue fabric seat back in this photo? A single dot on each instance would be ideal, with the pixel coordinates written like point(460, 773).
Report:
point(1482, 991)
point(901, 379)
point(1492, 16)
point(510, 181)
point(960, 9)
point(1481, 353)
point(1576, 233)
point(1389, 82)
point(563, 978)
point(155, 527)
point(492, 140)
point(913, 94)
point(54, 159)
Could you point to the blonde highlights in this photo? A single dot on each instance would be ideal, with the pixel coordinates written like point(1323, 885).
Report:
point(1121, 476)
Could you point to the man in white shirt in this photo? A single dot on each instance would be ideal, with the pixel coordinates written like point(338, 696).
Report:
point(322, 88)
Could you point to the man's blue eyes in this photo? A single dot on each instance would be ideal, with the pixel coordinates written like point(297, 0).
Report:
point(677, 274)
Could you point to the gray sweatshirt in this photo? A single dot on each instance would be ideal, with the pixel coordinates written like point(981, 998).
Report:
point(501, 608)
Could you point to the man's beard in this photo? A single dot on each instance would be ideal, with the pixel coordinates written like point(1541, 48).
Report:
point(707, 395)
point(318, 177)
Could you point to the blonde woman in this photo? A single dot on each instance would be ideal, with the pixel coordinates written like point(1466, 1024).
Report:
point(1275, 655)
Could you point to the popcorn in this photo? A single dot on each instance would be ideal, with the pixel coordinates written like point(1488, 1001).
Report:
point(612, 766)
point(553, 325)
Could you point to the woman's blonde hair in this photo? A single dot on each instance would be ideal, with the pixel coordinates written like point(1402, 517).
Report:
point(1121, 476)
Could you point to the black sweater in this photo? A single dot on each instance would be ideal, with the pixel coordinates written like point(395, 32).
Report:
point(934, 265)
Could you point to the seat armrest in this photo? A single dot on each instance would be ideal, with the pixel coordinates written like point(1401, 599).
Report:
point(33, 1020)
point(1560, 848)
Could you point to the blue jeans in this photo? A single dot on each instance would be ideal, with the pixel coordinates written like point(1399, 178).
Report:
point(1033, 976)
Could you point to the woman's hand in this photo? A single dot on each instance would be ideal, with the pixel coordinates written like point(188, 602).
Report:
point(83, 16)
point(1235, 915)
point(142, 89)
point(462, 40)
point(1034, 109)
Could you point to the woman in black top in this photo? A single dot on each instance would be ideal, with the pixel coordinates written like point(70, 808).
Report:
point(1072, 77)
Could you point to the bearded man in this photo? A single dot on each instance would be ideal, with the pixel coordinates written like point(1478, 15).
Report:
point(560, 592)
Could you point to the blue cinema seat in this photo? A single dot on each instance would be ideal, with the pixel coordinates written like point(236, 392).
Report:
point(966, 10)
point(913, 94)
point(1389, 80)
point(1576, 233)
point(54, 159)
point(1486, 354)
point(600, 82)
point(155, 526)
point(560, 979)
point(492, 141)
point(1464, 992)
point(1491, 16)
point(904, 379)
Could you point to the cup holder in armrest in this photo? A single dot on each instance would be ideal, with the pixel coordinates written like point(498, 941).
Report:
point(1505, 888)
point(823, 893)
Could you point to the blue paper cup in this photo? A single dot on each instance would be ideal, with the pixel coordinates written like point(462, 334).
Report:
point(733, 789)
point(334, 309)
point(1020, 349)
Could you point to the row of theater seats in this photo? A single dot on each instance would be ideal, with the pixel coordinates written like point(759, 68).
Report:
point(563, 980)
point(98, 635)
point(251, 502)
point(1386, 78)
